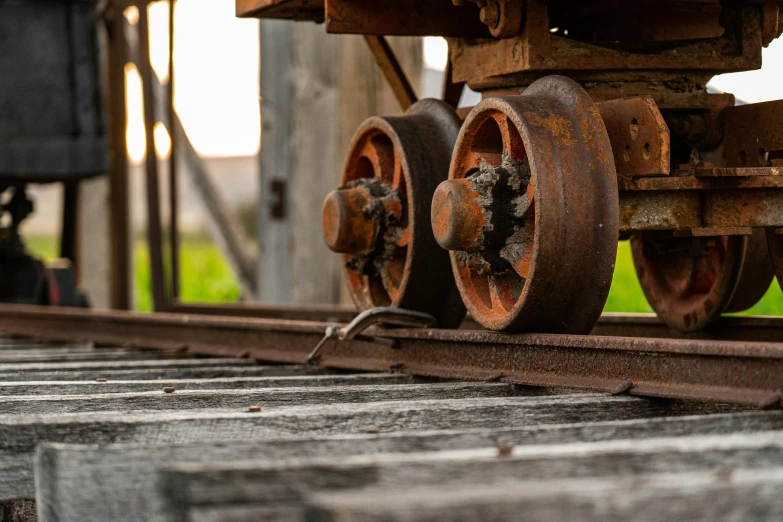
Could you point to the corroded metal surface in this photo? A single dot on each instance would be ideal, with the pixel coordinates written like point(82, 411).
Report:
point(740, 372)
point(526, 162)
point(380, 220)
point(690, 282)
point(639, 136)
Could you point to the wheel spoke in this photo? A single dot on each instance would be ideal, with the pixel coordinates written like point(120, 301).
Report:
point(522, 265)
point(512, 143)
point(495, 297)
point(386, 165)
point(472, 160)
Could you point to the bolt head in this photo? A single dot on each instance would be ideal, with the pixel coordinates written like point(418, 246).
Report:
point(345, 228)
point(457, 218)
point(490, 15)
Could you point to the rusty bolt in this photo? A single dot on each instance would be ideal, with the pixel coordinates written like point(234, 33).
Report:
point(457, 218)
point(168, 389)
point(345, 228)
point(254, 409)
point(490, 15)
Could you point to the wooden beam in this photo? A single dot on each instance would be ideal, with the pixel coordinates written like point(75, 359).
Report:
point(392, 71)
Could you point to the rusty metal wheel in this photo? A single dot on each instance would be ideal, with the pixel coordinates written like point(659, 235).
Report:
point(755, 276)
point(530, 210)
point(380, 218)
point(690, 282)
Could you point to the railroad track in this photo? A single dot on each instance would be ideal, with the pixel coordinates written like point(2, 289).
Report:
point(116, 432)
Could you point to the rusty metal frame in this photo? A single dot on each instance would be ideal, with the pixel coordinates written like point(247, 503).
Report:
point(737, 372)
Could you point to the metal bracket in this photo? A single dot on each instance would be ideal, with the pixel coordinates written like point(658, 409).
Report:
point(383, 315)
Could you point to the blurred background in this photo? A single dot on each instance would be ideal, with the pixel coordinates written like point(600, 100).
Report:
point(219, 77)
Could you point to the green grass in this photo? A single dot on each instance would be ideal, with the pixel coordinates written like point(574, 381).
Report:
point(207, 277)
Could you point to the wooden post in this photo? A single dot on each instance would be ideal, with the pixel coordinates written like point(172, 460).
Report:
point(315, 89)
point(274, 228)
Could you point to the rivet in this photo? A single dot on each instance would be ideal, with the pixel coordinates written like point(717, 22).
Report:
point(100, 379)
point(622, 388)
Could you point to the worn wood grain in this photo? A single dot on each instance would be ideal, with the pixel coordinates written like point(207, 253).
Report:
point(117, 482)
point(744, 494)
point(163, 373)
point(234, 398)
point(43, 388)
point(66, 356)
point(126, 365)
point(181, 486)
point(19, 434)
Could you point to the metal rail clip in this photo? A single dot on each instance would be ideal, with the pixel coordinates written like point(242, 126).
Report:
point(383, 315)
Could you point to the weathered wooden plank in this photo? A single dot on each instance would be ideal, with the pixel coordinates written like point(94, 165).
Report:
point(233, 399)
point(126, 365)
point(185, 485)
point(117, 482)
point(163, 373)
point(32, 388)
point(32, 345)
point(734, 495)
point(49, 350)
point(74, 356)
point(19, 434)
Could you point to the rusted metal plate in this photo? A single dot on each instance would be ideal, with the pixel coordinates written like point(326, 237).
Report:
point(660, 210)
point(734, 172)
point(717, 208)
point(303, 10)
point(749, 208)
point(754, 135)
point(739, 372)
point(752, 178)
point(323, 313)
point(487, 64)
point(404, 18)
point(640, 138)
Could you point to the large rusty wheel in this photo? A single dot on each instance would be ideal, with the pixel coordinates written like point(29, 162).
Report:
point(530, 210)
point(690, 282)
point(380, 219)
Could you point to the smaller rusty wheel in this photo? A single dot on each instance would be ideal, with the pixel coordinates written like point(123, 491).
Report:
point(530, 210)
point(690, 282)
point(380, 221)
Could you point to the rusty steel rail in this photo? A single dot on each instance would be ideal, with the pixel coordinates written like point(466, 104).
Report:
point(737, 372)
